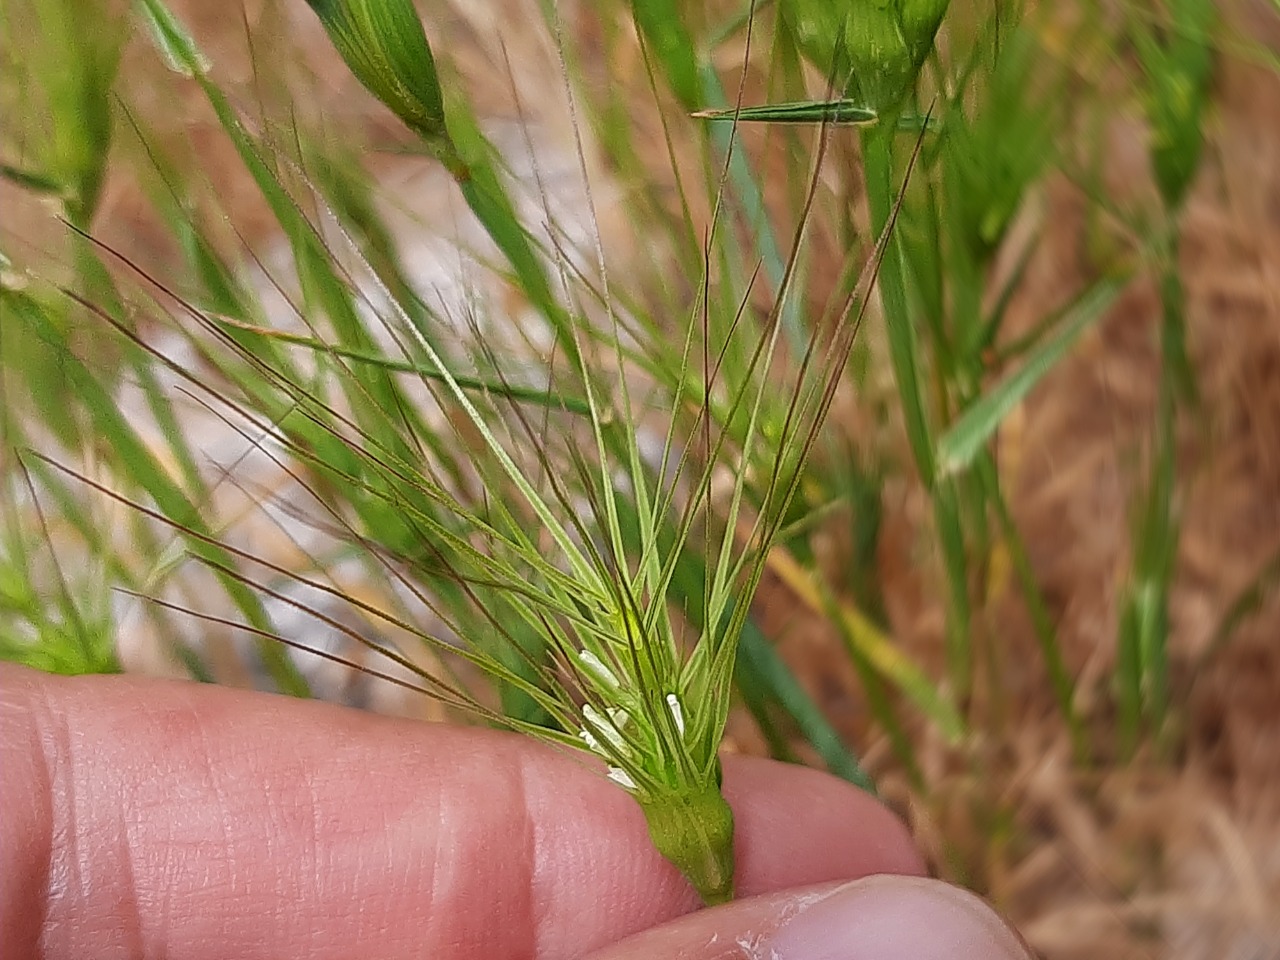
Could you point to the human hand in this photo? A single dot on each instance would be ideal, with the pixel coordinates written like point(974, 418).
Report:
point(145, 818)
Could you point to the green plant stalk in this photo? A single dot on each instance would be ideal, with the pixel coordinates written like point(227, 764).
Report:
point(1143, 663)
point(746, 189)
point(663, 27)
point(1177, 68)
point(694, 830)
point(877, 158)
point(1059, 676)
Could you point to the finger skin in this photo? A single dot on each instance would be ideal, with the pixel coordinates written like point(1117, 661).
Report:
point(146, 818)
point(876, 918)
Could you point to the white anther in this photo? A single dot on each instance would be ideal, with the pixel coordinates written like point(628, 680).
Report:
point(599, 725)
point(597, 669)
point(677, 714)
point(622, 778)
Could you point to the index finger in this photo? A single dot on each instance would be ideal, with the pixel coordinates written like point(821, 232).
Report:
point(149, 818)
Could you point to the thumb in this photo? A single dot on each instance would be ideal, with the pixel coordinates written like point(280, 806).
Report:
point(877, 918)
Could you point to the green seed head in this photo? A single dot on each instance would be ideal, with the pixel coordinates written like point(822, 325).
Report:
point(879, 44)
point(694, 830)
point(1176, 116)
point(383, 43)
point(1178, 62)
point(667, 760)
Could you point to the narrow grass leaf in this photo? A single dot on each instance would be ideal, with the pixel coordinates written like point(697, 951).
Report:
point(662, 24)
point(975, 427)
point(35, 182)
point(871, 643)
point(758, 660)
point(805, 111)
point(493, 387)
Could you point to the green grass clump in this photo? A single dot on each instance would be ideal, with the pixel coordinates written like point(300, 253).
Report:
point(68, 628)
point(1177, 69)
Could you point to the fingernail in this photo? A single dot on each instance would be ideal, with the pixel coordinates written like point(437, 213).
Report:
point(898, 918)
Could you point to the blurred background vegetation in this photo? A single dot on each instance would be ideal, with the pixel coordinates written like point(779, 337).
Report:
point(1029, 589)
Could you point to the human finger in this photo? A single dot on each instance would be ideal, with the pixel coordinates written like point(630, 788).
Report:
point(876, 918)
point(184, 820)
